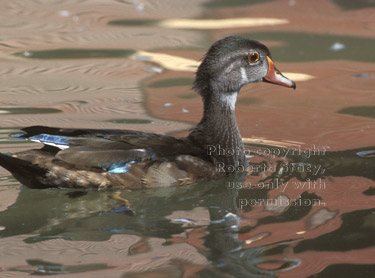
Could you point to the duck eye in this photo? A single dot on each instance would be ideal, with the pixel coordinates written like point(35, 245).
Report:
point(253, 57)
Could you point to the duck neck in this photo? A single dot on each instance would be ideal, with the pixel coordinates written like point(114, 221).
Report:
point(219, 133)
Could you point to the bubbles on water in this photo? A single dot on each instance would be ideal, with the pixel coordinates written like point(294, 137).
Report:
point(153, 69)
point(64, 13)
point(166, 105)
point(27, 54)
point(337, 46)
point(139, 6)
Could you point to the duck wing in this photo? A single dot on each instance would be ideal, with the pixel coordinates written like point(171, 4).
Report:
point(108, 158)
point(110, 139)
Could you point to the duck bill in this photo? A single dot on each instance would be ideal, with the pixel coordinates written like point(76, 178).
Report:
point(274, 76)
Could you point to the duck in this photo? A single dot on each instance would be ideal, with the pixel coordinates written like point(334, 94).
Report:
point(129, 159)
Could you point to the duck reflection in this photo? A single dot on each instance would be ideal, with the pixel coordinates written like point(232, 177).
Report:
point(255, 238)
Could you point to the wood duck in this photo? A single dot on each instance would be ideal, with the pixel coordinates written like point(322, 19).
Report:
point(95, 158)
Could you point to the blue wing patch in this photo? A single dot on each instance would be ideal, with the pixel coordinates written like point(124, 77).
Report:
point(61, 142)
point(53, 140)
point(118, 167)
point(18, 135)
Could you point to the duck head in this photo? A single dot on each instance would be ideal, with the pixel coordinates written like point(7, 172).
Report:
point(233, 62)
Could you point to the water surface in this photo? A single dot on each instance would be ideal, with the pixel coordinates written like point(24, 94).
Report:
point(305, 206)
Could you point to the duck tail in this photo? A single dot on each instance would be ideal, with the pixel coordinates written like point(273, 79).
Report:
point(23, 170)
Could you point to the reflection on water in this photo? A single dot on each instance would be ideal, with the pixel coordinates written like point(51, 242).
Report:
point(203, 23)
point(28, 110)
point(297, 46)
point(363, 111)
point(129, 121)
point(172, 83)
point(75, 53)
point(305, 206)
point(39, 267)
point(350, 5)
point(225, 241)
